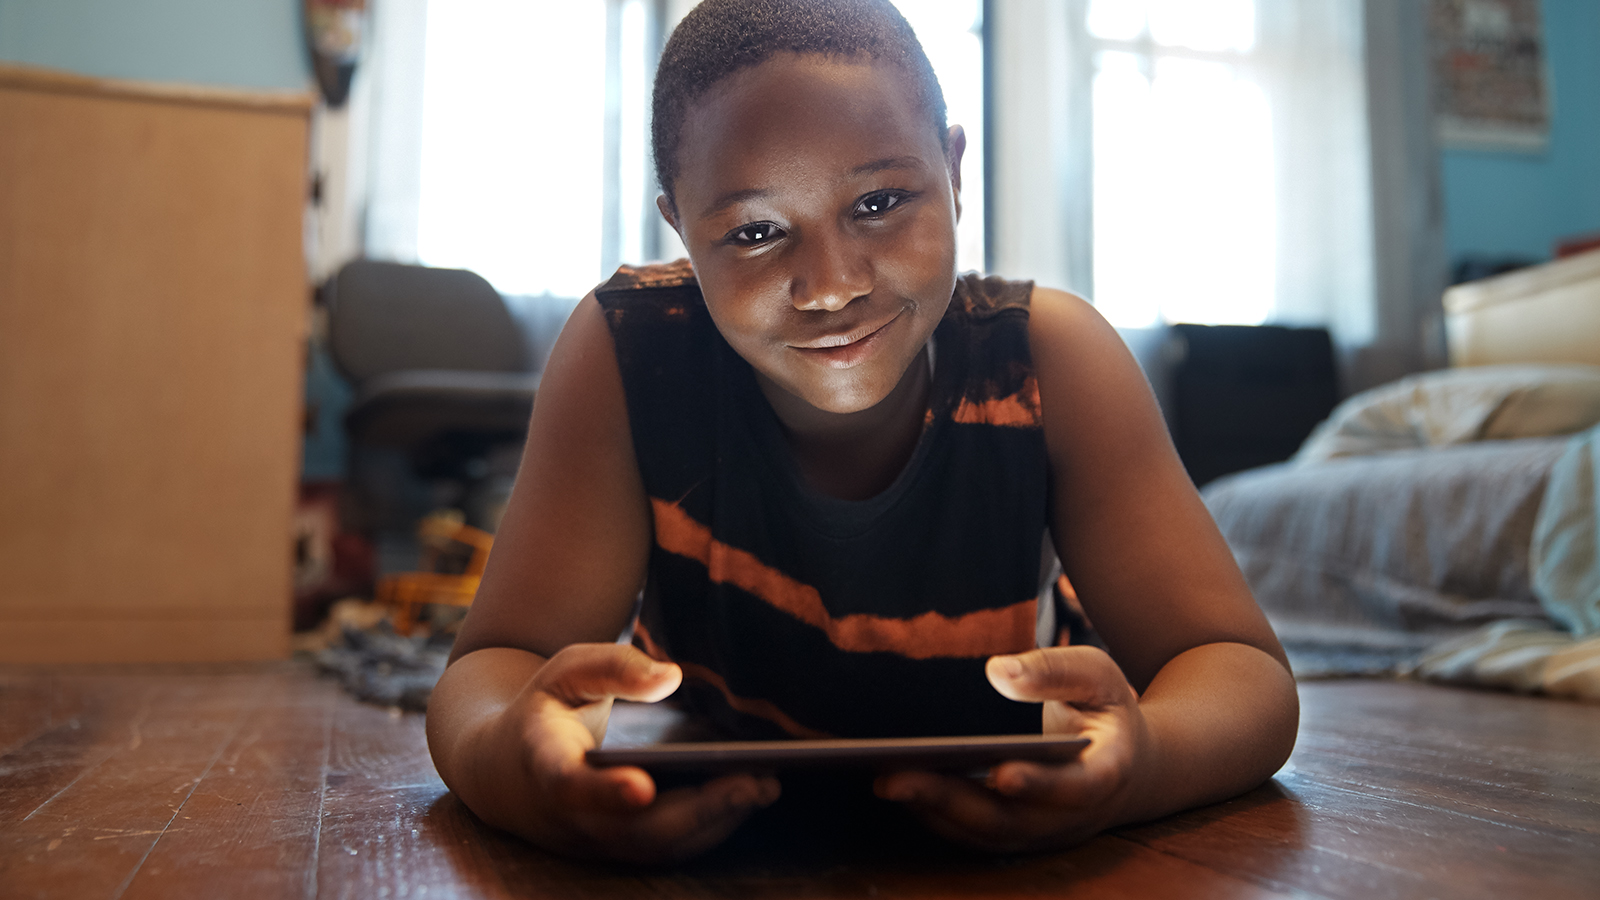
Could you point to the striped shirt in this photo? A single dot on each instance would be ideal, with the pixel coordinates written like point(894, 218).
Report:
point(795, 614)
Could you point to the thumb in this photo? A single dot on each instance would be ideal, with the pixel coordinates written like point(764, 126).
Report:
point(581, 674)
point(1085, 677)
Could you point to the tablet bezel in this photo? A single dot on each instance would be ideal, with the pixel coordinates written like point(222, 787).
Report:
point(964, 754)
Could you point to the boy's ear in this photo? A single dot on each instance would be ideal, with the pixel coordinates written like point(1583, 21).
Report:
point(952, 159)
point(668, 213)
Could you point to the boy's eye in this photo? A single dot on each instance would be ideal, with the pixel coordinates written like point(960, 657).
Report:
point(876, 204)
point(756, 233)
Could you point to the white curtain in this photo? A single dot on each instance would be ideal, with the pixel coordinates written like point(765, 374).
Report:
point(394, 69)
point(1355, 208)
point(1313, 70)
point(489, 139)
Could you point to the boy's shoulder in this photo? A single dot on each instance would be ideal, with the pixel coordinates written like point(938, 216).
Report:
point(983, 296)
point(676, 274)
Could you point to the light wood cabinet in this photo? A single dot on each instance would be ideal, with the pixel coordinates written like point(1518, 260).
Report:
point(153, 300)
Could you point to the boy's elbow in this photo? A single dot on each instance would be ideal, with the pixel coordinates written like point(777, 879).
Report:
point(1282, 722)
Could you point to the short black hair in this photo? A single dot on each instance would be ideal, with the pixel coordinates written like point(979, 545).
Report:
point(720, 37)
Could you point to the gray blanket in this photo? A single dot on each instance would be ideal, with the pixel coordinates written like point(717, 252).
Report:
point(1362, 562)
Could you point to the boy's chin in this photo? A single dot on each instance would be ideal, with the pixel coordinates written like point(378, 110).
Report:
point(832, 393)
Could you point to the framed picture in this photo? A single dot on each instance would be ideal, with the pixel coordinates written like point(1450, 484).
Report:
point(1489, 74)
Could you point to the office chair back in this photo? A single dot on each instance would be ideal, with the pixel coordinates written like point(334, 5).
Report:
point(388, 317)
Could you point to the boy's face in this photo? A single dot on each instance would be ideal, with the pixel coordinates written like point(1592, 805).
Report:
point(820, 210)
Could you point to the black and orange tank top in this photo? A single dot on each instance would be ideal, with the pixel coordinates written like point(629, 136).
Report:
point(796, 614)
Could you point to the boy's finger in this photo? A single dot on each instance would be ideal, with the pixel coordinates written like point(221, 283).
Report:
point(617, 789)
point(586, 673)
point(1064, 718)
point(688, 821)
point(1065, 786)
point(557, 744)
point(964, 812)
point(1082, 676)
point(957, 799)
point(954, 807)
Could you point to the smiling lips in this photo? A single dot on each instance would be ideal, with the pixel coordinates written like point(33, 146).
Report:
point(845, 349)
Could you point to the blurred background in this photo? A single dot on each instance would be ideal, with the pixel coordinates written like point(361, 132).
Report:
point(1293, 166)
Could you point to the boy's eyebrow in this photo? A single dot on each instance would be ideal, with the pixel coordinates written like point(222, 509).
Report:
point(730, 198)
point(724, 201)
point(888, 162)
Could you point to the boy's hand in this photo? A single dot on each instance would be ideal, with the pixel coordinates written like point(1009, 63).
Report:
point(613, 812)
point(1035, 806)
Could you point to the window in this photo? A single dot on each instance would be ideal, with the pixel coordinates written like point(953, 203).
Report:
point(1183, 172)
point(951, 33)
point(531, 161)
point(513, 127)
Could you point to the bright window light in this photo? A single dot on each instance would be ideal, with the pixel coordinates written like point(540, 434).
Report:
point(949, 33)
point(513, 142)
point(1204, 25)
point(513, 181)
point(1117, 20)
point(636, 210)
point(1184, 191)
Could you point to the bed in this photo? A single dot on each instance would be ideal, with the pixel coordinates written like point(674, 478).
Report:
point(1444, 525)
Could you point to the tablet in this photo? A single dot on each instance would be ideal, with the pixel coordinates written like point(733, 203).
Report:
point(943, 754)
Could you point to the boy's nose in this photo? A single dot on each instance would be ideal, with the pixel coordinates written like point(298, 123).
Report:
point(830, 272)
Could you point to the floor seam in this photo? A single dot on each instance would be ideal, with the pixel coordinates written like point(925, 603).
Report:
point(144, 711)
point(322, 802)
point(222, 747)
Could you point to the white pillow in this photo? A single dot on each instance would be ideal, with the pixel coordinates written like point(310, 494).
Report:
point(1455, 406)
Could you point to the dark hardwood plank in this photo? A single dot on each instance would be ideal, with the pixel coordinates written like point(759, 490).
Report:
point(29, 707)
point(1521, 760)
point(89, 838)
point(270, 782)
point(377, 838)
point(250, 828)
point(1534, 733)
point(1461, 784)
point(1347, 843)
point(99, 720)
point(1379, 830)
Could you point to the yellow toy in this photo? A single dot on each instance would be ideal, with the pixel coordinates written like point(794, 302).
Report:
point(409, 591)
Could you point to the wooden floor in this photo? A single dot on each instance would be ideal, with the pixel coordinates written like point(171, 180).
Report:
point(270, 782)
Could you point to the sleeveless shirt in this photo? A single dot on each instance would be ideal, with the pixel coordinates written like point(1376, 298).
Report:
point(796, 614)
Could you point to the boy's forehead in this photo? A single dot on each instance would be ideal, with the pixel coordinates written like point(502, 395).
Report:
point(795, 114)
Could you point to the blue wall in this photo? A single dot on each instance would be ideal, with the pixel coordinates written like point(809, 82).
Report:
point(238, 43)
point(1515, 204)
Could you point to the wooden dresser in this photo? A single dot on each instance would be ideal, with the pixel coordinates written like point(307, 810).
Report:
point(153, 301)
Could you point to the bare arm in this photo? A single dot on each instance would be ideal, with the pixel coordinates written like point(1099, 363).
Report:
point(571, 550)
point(1195, 702)
point(536, 665)
point(1154, 573)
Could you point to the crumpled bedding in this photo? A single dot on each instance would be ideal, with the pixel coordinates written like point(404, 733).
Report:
point(1442, 525)
point(1391, 553)
point(1474, 563)
point(1566, 538)
point(1560, 653)
point(1457, 406)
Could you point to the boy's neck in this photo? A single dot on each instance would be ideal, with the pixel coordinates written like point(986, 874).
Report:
point(855, 456)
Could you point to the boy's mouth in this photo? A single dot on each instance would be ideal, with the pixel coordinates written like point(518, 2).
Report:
point(844, 349)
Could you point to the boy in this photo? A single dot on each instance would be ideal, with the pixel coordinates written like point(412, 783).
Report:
point(829, 463)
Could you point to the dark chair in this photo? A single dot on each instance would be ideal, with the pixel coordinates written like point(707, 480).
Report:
point(1245, 396)
point(441, 371)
